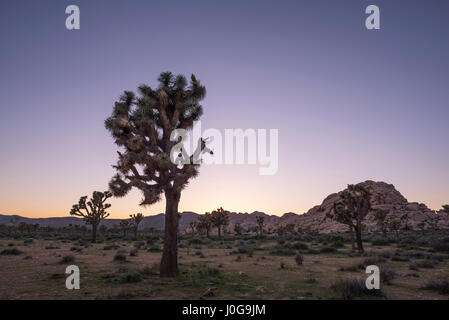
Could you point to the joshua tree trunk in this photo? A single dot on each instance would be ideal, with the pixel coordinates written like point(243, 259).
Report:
point(351, 232)
point(94, 232)
point(358, 234)
point(219, 231)
point(169, 261)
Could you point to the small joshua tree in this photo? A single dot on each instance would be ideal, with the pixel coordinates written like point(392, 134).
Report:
point(152, 160)
point(220, 219)
point(380, 216)
point(92, 211)
point(136, 219)
point(351, 209)
point(260, 220)
point(205, 223)
point(238, 229)
point(192, 226)
point(395, 226)
point(125, 226)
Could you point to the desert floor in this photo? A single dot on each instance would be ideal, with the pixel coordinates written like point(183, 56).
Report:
point(233, 269)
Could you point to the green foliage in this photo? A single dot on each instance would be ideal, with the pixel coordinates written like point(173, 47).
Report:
point(349, 289)
point(440, 285)
point(142, 124)
point(9, 252)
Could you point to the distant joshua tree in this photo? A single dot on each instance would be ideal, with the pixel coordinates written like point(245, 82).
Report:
point(238, 229)
point(380, 216)
point(125, 226)
point(421, 226)
point(205, 223)
point(446, 208)
point(395, 226)
point(143, 126)
point(92, 211)
point(136, 219)
point(193, 226)
point(260, 221)
point(351, 209)
point(220, 219)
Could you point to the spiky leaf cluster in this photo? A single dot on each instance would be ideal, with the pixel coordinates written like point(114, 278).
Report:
point(141, 125)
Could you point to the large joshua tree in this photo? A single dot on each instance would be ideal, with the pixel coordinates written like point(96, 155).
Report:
point(351, 209)
point(142, 126)
point(92, 211)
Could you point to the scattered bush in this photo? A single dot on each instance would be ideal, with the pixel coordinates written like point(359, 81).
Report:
point(378, 241)
point(387, 273)
point(120, 257)
point(328, 249)
point(440, 285)
point(52, 247)
point(427, 264)
point(111, 247)
point(67, 259)
point(353, 288)
point(133, 252)
point(154, 249)
point(130, 277)
point(11, 252)
point(441, 245)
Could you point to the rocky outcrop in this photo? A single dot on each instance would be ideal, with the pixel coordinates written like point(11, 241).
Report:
point(385, 197)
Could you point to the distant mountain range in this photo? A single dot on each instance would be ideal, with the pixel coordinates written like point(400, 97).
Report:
point(385, 197)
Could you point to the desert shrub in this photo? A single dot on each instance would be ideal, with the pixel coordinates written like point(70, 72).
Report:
point(353, 288)
point(328, 249)
point(111, 247)
point(371, 261)
point(311, 279)
point(299, 258)
point(387, 273)
point(400, 259)
point(243, 250)
point(52, 247)
point(11, 252)
point(10, 244)
point(67, 259)
point(300, 246)
point(139, 244)
point(352, 268)
point(154, 249)
point(281, 251)
point(120, 257)
point(78, 249)
point(440, 285)
point(312, 251)
point(385, 254)
point(130, 277)
point(427, 264)
point(378, 241)
point(195, 241)
point(441, 245)
point(28, 241)
point(282, 265)
point(133, 252)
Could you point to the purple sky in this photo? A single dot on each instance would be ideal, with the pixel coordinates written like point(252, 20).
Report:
point(350, 104)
